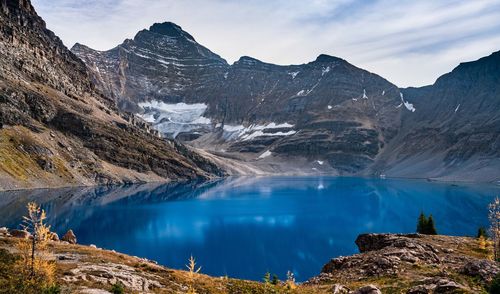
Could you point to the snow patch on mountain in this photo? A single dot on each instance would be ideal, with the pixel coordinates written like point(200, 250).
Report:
point(240, 132)
point(407, 104)
point(172, 119)
point(325, 71)
point(265, 154)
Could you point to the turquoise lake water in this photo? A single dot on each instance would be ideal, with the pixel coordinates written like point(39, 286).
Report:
point(244, 227)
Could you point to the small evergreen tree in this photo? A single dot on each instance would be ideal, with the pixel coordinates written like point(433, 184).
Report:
point(425, 225)
point(275, 280)
point(481, 232)
point(267, 278)
point(431, 227)
point(422, 223)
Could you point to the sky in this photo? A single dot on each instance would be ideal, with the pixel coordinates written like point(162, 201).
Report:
point(410, 43)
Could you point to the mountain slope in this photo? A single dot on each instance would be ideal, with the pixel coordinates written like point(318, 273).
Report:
point(455, 132)
point(57, 130)
point(328, 114)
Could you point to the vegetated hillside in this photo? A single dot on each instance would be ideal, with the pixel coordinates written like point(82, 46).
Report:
point(56, 129)
point(323, 117)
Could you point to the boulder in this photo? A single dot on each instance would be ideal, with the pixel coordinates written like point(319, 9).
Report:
point(447, 286)
point(69, 237)
point(485, 269)
point(372, 242)
point(436, 285)
point(370, 289)
point(23, 234)
point(4, 231)
point(340, 289)
point(421, 289)
point(53, 236)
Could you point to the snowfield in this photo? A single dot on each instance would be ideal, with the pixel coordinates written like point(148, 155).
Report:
point(240, 132)
point(172, 119)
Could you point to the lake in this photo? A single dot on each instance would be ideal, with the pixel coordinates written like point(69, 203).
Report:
point(242, 227)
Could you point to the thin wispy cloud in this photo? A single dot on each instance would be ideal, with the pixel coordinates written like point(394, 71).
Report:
point(410, 43)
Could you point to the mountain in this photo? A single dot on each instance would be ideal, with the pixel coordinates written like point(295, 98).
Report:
point(57, 129)
point(455, 130)
point(326, 116)
point(166, 52)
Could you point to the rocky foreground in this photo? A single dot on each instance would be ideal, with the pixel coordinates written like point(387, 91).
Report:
point(388, 263)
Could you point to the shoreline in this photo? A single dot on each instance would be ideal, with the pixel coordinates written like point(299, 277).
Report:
point(167, 181)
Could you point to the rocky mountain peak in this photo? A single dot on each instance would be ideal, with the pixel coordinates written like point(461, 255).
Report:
point(324, 58)
point(169, 29)
point(247, 60)
point(17, 7)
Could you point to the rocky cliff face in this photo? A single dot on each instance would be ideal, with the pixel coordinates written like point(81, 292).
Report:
point(162, 63)
point(56, 129)
point(326, 116)
point(334, 116)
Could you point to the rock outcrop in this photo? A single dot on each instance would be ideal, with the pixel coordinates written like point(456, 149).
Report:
point(69, 237)
point(58, 129)
point(422, 264)
point(22, 234)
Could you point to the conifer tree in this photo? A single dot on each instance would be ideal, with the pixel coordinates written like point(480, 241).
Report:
point(481, 232)
point(430, 227)
point(422, 223)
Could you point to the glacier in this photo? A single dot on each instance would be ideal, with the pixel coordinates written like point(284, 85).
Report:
point(172, 119)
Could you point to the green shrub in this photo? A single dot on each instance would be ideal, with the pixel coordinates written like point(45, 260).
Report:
point(495, 286)
point(117, 288)
point(52, 290)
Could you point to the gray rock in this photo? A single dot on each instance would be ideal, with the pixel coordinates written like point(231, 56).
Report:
point(340, 289)
point(421, 289)
point(485, 269)
point(445, 286)
point(4, 231)
point(69, 237)
point(369, 289)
